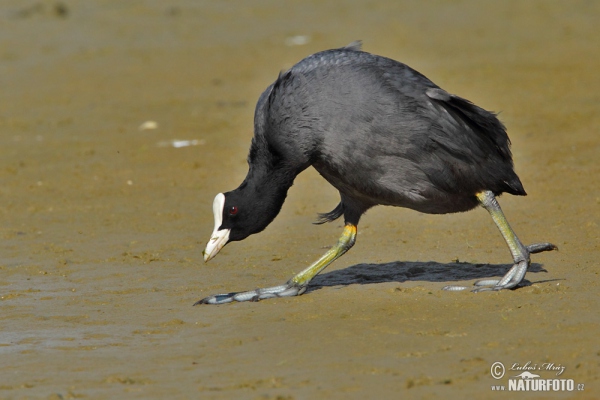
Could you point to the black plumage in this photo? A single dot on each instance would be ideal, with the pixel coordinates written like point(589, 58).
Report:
point(378, 131)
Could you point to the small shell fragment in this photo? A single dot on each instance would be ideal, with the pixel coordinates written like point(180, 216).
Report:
point(298, 40)
point(148, 125)
point(176, 143)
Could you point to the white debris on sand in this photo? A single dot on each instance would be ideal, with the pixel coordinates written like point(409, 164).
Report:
point(181, 143)
point(298, 40)
point(148, 125)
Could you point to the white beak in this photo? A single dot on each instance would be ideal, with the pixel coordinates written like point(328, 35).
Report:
point(219, 238)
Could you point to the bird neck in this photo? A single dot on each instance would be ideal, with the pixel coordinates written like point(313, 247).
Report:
point(265, 190)
point(271, 184)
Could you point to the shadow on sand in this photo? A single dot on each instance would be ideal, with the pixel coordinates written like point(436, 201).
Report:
point(400, 271)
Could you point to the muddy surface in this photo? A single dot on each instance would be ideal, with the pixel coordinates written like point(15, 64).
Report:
point(120, 121)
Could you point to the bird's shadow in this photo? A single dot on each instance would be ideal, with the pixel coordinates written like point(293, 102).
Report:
point(402, 271)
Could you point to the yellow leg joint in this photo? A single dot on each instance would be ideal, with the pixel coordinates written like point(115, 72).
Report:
point(345, 242)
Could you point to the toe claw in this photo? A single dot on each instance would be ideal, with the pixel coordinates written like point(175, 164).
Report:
point(540, 247)
point(454, 288)
point(221, 298)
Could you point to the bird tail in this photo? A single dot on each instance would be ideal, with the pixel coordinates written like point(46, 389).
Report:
point(331, 215)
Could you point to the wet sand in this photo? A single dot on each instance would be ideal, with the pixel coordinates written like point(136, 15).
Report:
point(104, 220)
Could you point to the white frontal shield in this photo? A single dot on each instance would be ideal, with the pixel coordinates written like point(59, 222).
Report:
point(219, 238)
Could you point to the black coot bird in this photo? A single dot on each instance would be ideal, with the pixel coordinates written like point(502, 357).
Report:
point(380, 133)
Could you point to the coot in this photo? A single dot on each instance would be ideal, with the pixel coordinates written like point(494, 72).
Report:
point(382, 134)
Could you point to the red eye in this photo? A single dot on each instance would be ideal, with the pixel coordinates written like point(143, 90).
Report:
point(233, 210)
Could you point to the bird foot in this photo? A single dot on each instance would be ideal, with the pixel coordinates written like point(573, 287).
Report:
point(513, 277)
point(287, 290)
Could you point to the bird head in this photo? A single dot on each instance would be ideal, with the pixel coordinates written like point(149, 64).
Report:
point(228, 220)
point(238, 214)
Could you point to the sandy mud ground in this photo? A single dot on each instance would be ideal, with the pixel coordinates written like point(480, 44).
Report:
point(103, 218)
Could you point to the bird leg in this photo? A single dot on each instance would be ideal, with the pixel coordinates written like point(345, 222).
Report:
point(521, 254)
point(297, 284)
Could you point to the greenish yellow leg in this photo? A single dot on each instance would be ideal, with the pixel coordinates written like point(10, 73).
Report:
point(344, 244)
point(489, 202)
point(520, 253)
point(295, 286)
